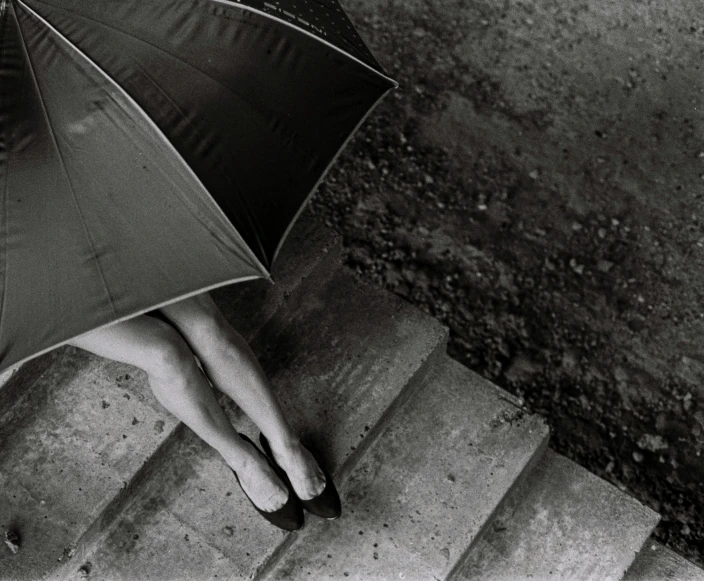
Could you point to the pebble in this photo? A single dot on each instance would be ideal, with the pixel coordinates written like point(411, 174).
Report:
point(578, 268)
point(84, 571)
point(12, 540)
point(604, 265)
point(653, 443)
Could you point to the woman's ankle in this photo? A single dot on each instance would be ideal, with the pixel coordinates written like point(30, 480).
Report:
point(282, 445)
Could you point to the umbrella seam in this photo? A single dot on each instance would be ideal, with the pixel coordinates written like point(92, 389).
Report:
point(65, 170)
point(92, 63)
point(6, 186)
point(243, 199)
point(299, 29)
point(93, 20)
point(325, 172)
point(5, 241)
point(6, 237)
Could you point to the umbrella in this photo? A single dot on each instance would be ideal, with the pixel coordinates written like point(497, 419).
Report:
point(154, 149)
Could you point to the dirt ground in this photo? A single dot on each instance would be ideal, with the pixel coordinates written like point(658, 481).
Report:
point(537, 184)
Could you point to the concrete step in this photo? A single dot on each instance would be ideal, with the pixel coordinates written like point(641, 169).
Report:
point(77, 430)
point(309, 247)
point(341, 356)
point(657, 563)
point(563, 523)
point(71, 444)
point(426, 488)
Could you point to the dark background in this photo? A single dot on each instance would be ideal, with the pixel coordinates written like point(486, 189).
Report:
point(537, 184)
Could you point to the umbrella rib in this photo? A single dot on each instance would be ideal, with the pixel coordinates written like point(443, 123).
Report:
point(5, 241)
point(65, 170)
point(253, 257)
point(5, 223)
point(155, 47)
point(6, 187)
point(325, 172)
point(237, 4)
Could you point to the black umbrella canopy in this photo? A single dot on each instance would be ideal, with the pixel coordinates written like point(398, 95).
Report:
point(153, 149)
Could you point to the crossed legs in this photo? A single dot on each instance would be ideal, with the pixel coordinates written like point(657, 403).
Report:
point(165, 351)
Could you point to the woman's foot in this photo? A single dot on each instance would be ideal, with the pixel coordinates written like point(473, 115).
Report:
point(302, 470)
point(259, 481)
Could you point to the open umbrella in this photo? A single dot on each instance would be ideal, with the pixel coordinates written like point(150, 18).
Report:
point(153, 149)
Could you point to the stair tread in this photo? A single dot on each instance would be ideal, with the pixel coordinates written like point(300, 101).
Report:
point(337, 356)
point(564, 523)
point(308, 245)
point(74, 449)
point(426, 487)
point(76, 428)
point(658, 563)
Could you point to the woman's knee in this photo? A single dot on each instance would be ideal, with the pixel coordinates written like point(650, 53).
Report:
point(198, 318)
point(168, 358)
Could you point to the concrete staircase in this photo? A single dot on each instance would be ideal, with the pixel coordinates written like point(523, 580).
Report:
point(442, 474)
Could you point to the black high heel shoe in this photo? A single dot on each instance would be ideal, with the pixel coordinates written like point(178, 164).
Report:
point(290, 516)
point(327, 504)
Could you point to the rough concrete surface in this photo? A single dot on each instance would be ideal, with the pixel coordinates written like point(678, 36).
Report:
point(658, 563)
point(308, 248)
point(69, 446)
point(564, 523)
point(338, 354)
point(425, 488)
point(536, 184)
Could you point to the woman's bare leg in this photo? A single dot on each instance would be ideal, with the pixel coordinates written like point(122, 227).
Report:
point(233, 368)
point(180, 386)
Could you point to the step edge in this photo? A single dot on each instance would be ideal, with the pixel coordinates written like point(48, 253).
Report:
point(523, 488)
point(651, 543)
point(17, 380)
point(516, 487)
point(405, 395)
point(105, 521)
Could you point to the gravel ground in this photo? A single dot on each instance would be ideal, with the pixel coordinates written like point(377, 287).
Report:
point(537, 184)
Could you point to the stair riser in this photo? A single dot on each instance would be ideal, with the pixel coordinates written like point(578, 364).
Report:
point(563, 522)
point(511, 496)
point(342, 472)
